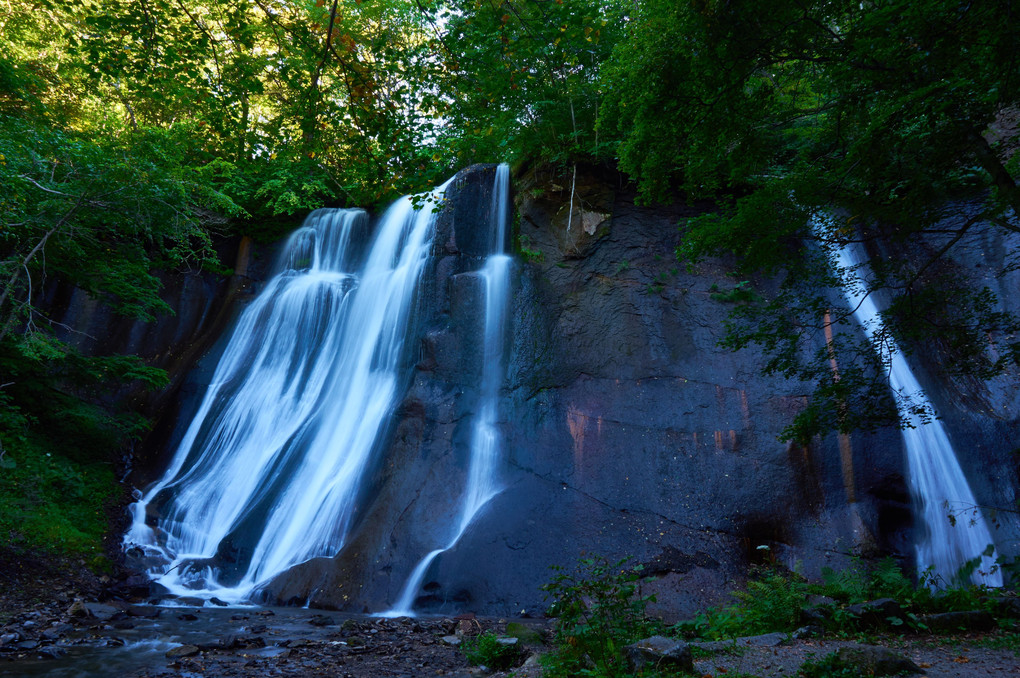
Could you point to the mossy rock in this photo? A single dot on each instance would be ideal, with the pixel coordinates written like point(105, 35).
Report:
point(526, 634)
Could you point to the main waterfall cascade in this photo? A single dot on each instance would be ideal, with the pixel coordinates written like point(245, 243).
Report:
point(937, 483)
point(269, 471)
point(486, 441)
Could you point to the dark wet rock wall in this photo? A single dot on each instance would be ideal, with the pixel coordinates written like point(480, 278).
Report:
point(628, 431)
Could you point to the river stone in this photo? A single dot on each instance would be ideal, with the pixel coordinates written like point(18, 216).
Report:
point(874, 660)
point(78, 609)
point(321, 620)
point(50, 652)
point(143, 612)
point(660, 652)
point(182, 651)
point(56, 632)
point(974, 620)
point(101, 611)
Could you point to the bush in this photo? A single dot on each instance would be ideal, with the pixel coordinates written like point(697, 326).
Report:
point(598, 612)
point(772, 602)
point(486, 650)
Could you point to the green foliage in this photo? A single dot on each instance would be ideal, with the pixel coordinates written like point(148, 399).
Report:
point(857, 584)
point(486, 650)
point(526, 78)
point(598, 611)
point(532, 255)
point(772, 602)
point(739, 293)
point(1003, 641)
point(828, 666)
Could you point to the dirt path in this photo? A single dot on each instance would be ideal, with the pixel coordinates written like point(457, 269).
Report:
point(962, 656)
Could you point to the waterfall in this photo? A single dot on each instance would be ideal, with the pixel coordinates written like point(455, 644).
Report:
point(937, 483)
point(486, 443)
point(268, 472)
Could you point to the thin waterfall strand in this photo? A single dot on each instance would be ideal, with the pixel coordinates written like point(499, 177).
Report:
point(937, 483)
point(270, 467)
point(486, 441)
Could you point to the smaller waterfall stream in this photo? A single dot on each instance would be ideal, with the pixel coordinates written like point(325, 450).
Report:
point(937, 482)
point(486, 441)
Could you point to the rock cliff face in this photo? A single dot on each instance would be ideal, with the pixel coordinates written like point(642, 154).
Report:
point(628, 431)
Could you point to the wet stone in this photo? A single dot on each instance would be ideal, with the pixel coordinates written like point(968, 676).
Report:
point(182, 651)
point(55, 632)
point(51, 652)
point(101, 612)
point(143, 612)
point(78, 609)
point(321, 620)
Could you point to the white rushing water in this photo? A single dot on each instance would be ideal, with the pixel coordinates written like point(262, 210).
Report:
point(270, 468)
point(486, 442)
point(937, 483)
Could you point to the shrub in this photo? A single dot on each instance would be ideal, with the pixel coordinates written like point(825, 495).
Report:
point(486, 650)
point(772, 602)
point(598, 610)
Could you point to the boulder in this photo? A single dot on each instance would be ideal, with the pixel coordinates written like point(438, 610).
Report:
point(101, 611)
point(974, 620)
point(874, 660)
point(660, 652)
point(877, 613)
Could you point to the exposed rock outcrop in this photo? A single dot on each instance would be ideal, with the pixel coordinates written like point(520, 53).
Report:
point(628, 430)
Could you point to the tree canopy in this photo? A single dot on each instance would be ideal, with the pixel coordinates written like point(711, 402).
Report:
point(818, 123)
